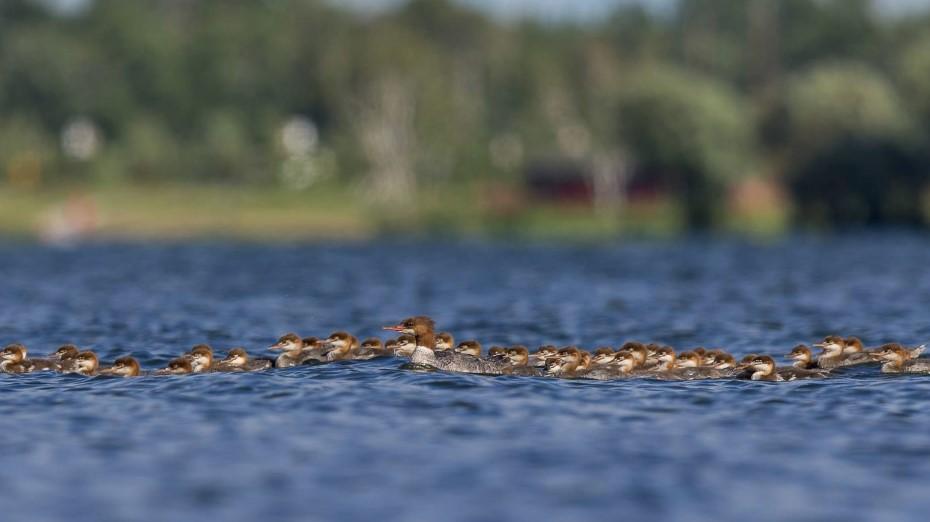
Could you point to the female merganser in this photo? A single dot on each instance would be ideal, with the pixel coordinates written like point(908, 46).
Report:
point(201, 357)
point(179, 366)
point(538, 359)
point(238, 360)
point(472, 348)
point(372, 348)
point(297, 351)
point(898, 359)
point(123, 367)
point(421, 328)
point(340, 346)
point(87, 363)
point(802, 357)
point(444, 341)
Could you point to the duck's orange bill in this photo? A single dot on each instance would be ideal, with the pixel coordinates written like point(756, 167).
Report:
point(396, 328)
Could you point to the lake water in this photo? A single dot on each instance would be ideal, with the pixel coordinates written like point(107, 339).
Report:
point(368, 440)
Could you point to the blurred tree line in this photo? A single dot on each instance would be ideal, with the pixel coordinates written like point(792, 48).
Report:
point(828, 100)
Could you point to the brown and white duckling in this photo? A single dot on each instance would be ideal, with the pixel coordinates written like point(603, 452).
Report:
point(472, 348)
point(571, 355)
point(179, 366)
point(803, 357)
point(763, 368)
point(340, 346)
point(602, 356)
point(518, 356)
point(405, 345)
point(585, 363)
point(15, 359)
point(543, 353)
point(123, 367)
point(201, 357)
point(444, 341)
point(371, 348)
point(665, 359)
point(295, 350)
point(561, 367)
point(898, 359)
point(834, 354)
point(65, 355)
point(238, 360)
point(495, 352)
point(87, 363)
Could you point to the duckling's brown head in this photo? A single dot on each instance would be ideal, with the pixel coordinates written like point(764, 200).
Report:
point(125, 367)
point(405, 345)
point(555, 365)
point(66, 352)
point(724, 361)
point(472, 348)
point(585, 363)
point(339, 339)
point(602, 355)
point(700, 351)
point(800, 352)
point(570, 354)
point(832, 345)
point(444, 341)
point(709, 357)
point(853, 345)
point(626, 360)
point(390, 346)
point(497, 351)
point(891, 352)
point(519, 355)
point(237, 357)
point(14, 353)
point(372, 344)
point(179, 366)
point(689, 360)
point(201, 357)
point(762, 363)
point(87, 362)
point(288, 342)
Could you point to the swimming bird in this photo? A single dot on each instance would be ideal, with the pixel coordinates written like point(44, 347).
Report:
point(472, 348)
point(538, 358)
point(518, 357)
point(123, 367)
point(179, 366)
point(561, 367)
point(66, 355)
point(201, 357)
point(802, 357)
point(421, 329)
point(15, 359)
point(834, 354)
point(602, 356)
point(296, 351)
point(898, 359)
point(87, 363)
point(763, 368)
point(340, 346)
point(371, 348)
point(444, 341)
point(238, 360)
point(497, 351)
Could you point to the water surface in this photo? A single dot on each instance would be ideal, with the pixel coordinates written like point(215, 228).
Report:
point(368, 440)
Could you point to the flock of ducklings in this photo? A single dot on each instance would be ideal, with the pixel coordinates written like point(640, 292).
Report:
point(424, 347)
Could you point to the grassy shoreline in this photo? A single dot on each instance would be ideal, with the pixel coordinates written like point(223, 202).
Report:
point(177, 211)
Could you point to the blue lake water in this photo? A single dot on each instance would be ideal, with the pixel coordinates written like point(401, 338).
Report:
point(367, 440)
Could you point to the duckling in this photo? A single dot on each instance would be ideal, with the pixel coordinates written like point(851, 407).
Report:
point(763, 368)
point(444, 341)
point(497, 352)
point(665, 359)
point(571, 355)
point(66, 355)
point(472, 348)
point(87, 363)
point(123, 367)
point(238, 360)
point(602, 356)
point(179, 366)
point(15, 359)
point(562, 367)
point(538, 359)
point(834, 354)
point(897, 359)
point(371, 348)
point(585, 363)
point(518, 357)
point(201, 357)
point(624, 364)
point(802, 357)
point(405, 345)
point(297, 351)
point(340, 346)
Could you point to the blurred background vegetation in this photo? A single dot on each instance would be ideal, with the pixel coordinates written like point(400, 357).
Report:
point(303, 118)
